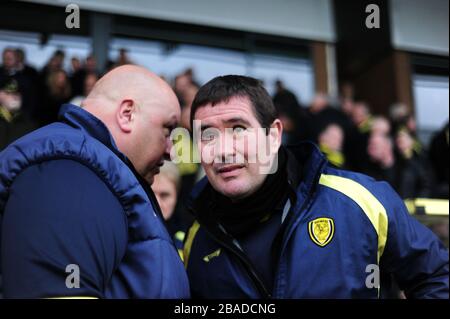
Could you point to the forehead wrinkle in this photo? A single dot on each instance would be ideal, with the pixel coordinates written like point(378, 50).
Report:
point(226, 110)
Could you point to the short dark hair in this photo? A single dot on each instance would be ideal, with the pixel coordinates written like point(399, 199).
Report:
point(8, 49)
point(20, 53)
point(223, 88)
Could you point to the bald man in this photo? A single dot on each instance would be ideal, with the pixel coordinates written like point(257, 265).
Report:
point(77, 217)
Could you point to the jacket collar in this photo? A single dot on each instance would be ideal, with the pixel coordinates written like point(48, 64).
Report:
point(306, 165)
point(79, 118)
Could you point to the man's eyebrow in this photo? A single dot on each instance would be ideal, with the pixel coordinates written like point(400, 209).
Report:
point(204, 127)
point(234, 120)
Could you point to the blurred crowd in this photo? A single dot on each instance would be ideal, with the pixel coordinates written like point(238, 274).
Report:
point(384, 147)
point(347, 132)
point(40, 93)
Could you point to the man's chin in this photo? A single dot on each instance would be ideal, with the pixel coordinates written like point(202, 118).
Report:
point(150, 176)
point(233, 190)
point(150, 179)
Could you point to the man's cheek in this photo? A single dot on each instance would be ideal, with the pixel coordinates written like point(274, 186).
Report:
point(207, 155)
point(210, 172)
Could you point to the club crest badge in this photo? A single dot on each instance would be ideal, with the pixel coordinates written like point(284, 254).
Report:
point(321, 231)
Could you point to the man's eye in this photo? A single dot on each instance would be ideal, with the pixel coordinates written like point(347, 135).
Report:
point(164, 195)
point(206, 136)
point(167, 131)
point(238, 129)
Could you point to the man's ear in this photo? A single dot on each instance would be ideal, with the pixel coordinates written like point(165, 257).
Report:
point(275, 135)
point(125, 115)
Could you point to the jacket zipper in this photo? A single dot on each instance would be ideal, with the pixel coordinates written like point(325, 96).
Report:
point(290, 226)
point(248, 266)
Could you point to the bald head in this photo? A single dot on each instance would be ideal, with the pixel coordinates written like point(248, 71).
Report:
point(139, 109)
point(128, 81)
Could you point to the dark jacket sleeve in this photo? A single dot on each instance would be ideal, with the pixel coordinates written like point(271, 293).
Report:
point(61, 222)
point(413, 254)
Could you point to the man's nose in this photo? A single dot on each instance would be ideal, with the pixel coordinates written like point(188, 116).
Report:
point(225, 151)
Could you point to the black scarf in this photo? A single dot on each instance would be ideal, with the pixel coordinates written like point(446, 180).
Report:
point(240, 217)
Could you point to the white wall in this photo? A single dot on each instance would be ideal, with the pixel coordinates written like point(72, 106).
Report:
point(420, 25)
point(431, 94)
point(38, 55)
point(307, 19)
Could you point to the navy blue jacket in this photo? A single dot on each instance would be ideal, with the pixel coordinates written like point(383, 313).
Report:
point(72, 206)
point(342, 229)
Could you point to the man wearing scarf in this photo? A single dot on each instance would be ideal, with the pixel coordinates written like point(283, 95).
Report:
point(279, 222)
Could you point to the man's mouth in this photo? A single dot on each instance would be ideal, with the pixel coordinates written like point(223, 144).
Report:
point(229, 170)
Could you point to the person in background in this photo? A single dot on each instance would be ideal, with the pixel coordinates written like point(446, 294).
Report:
point(381, 125)
point(76, 76)
point(14, 123)
point(14, 68)
point(9, 63)
point(361, 117)
point(22, 65)
point(439, 158)
point(319, 103)
point(402, 118)
point(185, 88)
point(331, 142)
point(296, 120)
point(413, 175)
point(325, 114)
point(396, 162)
point(166, 186)
point(381, 161)
point(347, 106)
point(358, 139)
point(398, 114)
point(89, 83)
point(79, 74)
point(55, 63)
point(58, 92)
point(187, 96)
point(123, 58)
point(45, 113)
point(27, 78)
point(182, 83)
point(75, 65)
